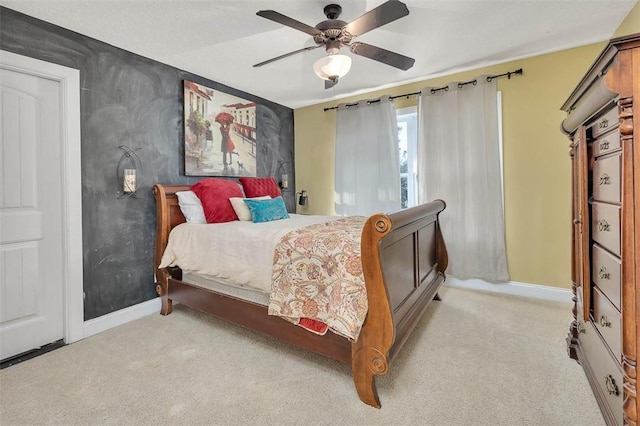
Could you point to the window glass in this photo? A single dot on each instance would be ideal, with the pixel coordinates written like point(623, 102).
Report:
point(407, 146)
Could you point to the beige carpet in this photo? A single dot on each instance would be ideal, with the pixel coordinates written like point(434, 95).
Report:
point(475, 359)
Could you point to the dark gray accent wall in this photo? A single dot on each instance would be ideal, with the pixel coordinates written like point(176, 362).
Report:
point(130, 100)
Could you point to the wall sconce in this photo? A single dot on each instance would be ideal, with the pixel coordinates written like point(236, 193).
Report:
point(283, 181)
point(303, 200)
point(128, 173)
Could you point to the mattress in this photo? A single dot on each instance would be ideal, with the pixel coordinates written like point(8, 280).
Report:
point(240, 252)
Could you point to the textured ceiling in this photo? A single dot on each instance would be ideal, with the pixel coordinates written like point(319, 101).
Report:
point(222, 39)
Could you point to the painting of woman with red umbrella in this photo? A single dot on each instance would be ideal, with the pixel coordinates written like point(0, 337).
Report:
point(204, 110)
point(226, 145)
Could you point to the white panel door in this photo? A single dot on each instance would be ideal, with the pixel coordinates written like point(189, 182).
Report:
point(31, 216)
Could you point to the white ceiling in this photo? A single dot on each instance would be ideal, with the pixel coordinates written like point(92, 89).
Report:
point(222, 39)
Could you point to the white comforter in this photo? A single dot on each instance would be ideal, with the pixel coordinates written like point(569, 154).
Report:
point(239, 251)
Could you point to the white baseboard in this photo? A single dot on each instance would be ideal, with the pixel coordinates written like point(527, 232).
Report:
point(515, 288)
point(123, 316)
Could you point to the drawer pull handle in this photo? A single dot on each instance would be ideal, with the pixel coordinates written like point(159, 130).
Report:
point(603, 124)
point(603, 226)
point(610, 383)
point(604, 321)
point(603, 273)
point(604, 179)
point(604, 145)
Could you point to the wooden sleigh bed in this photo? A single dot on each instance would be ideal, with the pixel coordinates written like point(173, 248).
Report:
point(404, 259)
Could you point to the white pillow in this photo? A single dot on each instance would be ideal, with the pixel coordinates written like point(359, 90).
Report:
point(191, 207)
point(241, 208)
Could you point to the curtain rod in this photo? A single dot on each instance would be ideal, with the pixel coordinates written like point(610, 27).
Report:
point(445, 88)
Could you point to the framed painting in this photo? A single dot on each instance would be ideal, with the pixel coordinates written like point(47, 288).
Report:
point(219, 133)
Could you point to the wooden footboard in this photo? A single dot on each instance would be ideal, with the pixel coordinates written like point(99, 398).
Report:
point(404, 259)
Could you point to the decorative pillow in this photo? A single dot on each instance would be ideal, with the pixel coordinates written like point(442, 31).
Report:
point(267, 210)
point(259, 187)
point(214, 195)
point(191, 207)
point(241, 208)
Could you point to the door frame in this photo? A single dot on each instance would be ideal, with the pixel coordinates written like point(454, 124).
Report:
point(69, 79)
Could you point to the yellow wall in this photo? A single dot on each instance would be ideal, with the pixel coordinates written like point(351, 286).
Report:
point(536, 162)
point(631, 23)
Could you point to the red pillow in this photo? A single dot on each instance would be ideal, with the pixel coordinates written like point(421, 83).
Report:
point(259, 187)
point(214, 195)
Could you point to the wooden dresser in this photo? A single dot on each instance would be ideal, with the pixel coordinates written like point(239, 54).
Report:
point(601, 113)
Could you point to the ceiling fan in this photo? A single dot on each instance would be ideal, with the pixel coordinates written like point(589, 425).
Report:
point(334, 34)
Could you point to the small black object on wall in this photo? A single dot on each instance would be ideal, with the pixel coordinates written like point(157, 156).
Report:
point(303, 200)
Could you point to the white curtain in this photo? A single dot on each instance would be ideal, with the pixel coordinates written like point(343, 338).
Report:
point(367, 171)
point(459, 162)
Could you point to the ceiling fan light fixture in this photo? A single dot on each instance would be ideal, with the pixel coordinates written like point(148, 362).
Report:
point(332, 66)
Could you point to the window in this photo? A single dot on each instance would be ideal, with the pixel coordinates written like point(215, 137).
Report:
point(408, 147)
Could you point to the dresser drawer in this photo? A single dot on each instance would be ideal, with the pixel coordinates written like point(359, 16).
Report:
point(606, 375)
point(608, 321)
point(606, 273)
point(605, 123)
point(606, 179)
point(607, 143)
point(605, 222)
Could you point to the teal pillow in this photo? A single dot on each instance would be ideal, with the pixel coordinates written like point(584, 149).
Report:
point(267, 210)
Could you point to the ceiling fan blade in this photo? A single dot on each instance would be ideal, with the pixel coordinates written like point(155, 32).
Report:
point(328, 84)
point(268, 61)
point(289, 22)
point(382, 55)
point(381, 15)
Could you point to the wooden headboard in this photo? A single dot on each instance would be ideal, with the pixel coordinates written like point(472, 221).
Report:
point(168, 216)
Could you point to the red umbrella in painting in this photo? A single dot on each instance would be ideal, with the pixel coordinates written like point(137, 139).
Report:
point(224, 118)
point(226, 146)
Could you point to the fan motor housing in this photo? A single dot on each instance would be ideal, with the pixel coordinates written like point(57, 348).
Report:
point(332, 28)
point(332, 31)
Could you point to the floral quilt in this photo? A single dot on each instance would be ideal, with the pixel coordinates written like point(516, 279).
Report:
point(318, 277)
